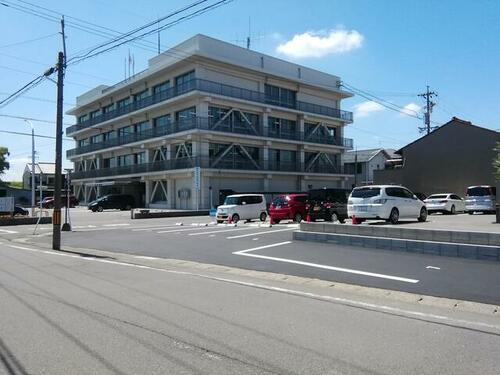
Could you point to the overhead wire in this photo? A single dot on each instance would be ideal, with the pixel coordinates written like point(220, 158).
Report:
point(28, 41)
point(30, 119)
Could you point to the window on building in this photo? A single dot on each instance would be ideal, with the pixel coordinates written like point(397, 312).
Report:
point(236, 121)
point(359, 168)
point(142, 126)
point(185, 115)
point(140, 158)
point(141, 95)
point(184, 78)
point(108, 108)
point(125, 160)
point(161, 121)
point(110, 135)
point(83, 118)
point(162, 87)
point(280, 96)
point(282, 128)
point(83, 142)
point(96, 138)
point(125, 131)
point(95, 114)
point(123, 103)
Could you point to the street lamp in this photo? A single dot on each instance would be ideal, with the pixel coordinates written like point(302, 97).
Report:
point(32, 167)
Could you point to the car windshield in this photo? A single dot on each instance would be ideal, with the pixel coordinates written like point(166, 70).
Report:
point(478, 191)
point(366, 192)
point(233, 200)
point(438, 196)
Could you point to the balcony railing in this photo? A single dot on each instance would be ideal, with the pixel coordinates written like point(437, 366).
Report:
point(212, 88)
point(208, 124)
point(228, 164)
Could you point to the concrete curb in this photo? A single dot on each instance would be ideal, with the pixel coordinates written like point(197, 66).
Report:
point(25, 221)
point(358, 290)
point(456, 250)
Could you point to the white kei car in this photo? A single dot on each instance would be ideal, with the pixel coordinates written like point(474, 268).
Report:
point(385, 202)
point(242, 207)
point(446, 203)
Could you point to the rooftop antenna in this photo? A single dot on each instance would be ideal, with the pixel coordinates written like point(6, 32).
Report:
point(249, 33)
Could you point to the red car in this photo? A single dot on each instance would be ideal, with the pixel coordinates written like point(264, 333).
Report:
point(48, 202)
point(288, 207)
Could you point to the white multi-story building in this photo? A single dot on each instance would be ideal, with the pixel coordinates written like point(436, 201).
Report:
point(207, 118)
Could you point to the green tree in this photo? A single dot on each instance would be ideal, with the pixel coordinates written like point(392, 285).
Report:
point(496, 162)
point(4, 164)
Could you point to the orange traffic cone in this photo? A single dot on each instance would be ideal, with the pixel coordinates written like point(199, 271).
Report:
point(271, 221)
point(354, 221)
point(308, 218)
point(229, 219)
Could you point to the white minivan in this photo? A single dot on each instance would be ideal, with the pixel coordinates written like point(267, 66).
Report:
point(385, 202)
point(242, 207)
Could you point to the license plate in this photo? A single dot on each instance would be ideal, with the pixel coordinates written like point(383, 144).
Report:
point(278, 207)
point(317, 208)
point(362, 208)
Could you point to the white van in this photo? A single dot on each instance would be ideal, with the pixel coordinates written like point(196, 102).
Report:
point(242, 207)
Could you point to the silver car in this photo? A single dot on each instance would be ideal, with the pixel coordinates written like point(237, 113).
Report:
point(480, 199)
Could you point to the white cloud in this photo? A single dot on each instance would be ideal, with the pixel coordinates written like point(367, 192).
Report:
point(411, 109)
point(319, 44)
point(367, 108)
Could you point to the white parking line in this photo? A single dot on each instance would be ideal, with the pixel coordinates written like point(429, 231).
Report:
point(433, 268)
point(253, 234)
point(8, 231)
point(182, 229)
point(322, 266)
point(116, 225)
point(219, 231)
point(346, 301)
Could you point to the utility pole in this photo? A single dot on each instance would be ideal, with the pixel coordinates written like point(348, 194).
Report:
point(56, 215)
point(428, 110)
point(33, 187)
point(356, 167)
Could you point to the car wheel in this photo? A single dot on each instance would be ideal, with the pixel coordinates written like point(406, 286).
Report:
point(334, 217)
point(235, 218)
point(342, 220)
point(453, 210)
point(276, 221)
point(100, 209)
point(298, 217)
point(220, 221)
point(470, 212)
point(394, 216)
point(423, 214)
point(263, 216)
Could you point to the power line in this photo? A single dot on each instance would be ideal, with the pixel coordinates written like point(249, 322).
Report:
point(382, 102)
point(34, 74)
point(90, 53)
point(30, 119)
point(37, 99)
point(28, 41)
point(36, 135)
point(26, 87)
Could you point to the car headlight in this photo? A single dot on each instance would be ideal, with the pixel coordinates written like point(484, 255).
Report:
point(380, 201)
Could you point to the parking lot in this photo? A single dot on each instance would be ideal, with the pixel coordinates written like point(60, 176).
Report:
point(257, 246)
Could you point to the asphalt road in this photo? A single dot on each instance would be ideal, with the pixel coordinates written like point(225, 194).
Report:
point(68, 315)
point(272, 249)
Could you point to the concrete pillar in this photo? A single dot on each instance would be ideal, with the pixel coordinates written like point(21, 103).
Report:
point(202, 108)
point(300, 126)
point(169, 151)
point(171, 193)
point(265, 156)
point(147, 198)
point(265, 123)
point(266, 182)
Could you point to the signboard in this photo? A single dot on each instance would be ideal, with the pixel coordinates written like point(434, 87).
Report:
point(197, 178)
point(7, 204)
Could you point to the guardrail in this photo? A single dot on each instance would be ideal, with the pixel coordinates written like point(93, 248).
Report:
point(212, 88)
point(207, 124)
point(229, 164)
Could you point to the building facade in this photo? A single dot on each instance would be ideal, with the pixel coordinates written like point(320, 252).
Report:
point(362, 164)
point(207, 117)
point(448, 160)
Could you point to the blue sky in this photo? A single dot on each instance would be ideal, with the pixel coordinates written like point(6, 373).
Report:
point(391, 49)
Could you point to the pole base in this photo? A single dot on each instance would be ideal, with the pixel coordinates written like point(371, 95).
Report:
point(66, 227)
